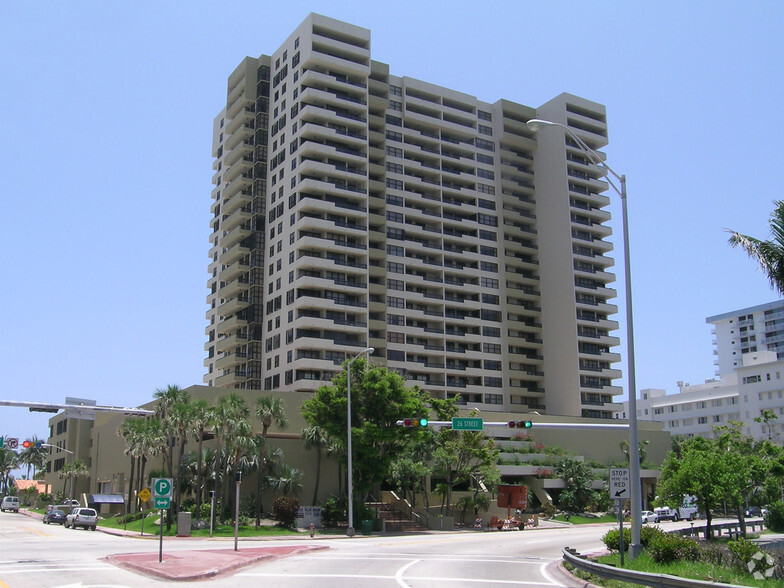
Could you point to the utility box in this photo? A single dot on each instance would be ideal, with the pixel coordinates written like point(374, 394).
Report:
point(183, 524)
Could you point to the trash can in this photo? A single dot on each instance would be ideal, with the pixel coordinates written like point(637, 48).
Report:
point(367, 527)
point(183, 524)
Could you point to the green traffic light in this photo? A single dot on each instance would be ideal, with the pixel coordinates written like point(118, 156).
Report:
point(422, 422)
point(528, 424)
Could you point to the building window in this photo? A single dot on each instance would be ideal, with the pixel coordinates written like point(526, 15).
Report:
point(485, 130)
point(395, 268)
point(395, 302)
point(483, 115)
point(396, 337)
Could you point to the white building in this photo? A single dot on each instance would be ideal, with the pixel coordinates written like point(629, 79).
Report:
point(750, 380)
point(355, 208)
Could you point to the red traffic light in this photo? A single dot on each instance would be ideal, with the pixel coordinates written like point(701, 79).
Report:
point(520, 424)
point(27, 444)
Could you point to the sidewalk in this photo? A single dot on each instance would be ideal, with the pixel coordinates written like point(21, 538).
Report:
point(202, 563)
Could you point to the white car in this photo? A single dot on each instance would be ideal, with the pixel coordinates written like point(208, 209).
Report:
point(10, 503)
point(649, 517)
point(81, 517)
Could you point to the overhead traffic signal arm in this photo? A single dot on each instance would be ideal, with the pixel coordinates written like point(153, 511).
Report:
point(520, 424)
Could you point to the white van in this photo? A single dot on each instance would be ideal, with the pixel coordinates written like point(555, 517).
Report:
point(10, 503)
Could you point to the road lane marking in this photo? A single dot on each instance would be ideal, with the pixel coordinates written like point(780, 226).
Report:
point(36, 531)
point(423, 578)
point(401, 571)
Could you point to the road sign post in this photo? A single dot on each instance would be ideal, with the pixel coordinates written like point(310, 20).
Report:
point(161, 493)
point(620, 490)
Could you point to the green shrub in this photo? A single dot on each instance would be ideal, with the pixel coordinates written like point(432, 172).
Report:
point(648, 534)
point(201, 513)
point(742, 550)
point(774, 520)
point(612, 539)
point(666, 548)
point(285, 509)
point(332, 513)
point(548, 509)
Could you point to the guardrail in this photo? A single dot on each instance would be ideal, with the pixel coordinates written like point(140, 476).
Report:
point(623, 575)
point(732, 529)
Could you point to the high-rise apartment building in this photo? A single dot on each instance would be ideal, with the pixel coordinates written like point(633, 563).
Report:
point(748, 330)
point(354, 208)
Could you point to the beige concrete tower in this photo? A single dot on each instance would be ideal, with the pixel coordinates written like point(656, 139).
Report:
point(354, 208)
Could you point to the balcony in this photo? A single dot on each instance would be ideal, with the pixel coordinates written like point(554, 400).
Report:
point(231, 342)
point(229, 325)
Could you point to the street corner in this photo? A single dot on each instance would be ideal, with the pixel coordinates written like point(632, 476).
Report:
point(196, 564)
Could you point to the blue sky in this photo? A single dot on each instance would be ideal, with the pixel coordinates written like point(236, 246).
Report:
point(106, 124)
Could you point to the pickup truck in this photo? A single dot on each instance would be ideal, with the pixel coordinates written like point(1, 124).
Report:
point(665, 513)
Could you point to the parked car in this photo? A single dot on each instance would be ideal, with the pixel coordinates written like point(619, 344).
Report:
point(81, 517)
point(649, 517)
point(10, 503)
point(55, 516)
point(756, 511)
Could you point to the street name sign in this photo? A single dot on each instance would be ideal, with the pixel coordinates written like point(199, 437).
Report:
point(620, 483)
point(467, 424)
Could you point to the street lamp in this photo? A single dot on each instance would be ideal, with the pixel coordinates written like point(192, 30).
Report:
point(634, 449)
point(350, 531)
point(70, 485)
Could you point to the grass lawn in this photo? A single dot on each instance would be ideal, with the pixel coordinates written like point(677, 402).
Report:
point(151, 527)
point(696, 570)
point(578, 520)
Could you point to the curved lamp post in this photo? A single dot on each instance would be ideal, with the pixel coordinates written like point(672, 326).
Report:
point(73, 458)
point(536, 125)
point(350, 531)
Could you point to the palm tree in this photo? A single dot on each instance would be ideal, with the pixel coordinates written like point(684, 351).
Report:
point(34, 455)
point(8, 461)
point(269, 409)
point(769, 254)
point(126, 431)
point(200, 420)
point(169, 410)
point(233, 435)
point(315, 438)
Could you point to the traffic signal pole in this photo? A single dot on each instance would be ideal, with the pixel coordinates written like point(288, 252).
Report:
point(505, 424)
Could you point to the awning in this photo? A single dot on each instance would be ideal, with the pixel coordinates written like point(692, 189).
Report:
point(105, 499)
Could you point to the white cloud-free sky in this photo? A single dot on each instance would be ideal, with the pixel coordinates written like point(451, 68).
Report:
point(105, 134)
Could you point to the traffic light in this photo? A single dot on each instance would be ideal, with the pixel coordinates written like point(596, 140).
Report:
point(418, 422)
point(520, 424)
point(28, 444)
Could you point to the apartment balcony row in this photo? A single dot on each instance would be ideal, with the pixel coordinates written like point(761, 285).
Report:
point(231, 342)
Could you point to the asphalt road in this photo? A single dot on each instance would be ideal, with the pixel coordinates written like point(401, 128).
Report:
point(34, 555)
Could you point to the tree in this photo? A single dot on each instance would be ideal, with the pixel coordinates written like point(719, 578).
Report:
point(200, 420)
point(700, 470)
point(269, 410)
point(233, 436)
point(768, 419)
point(8, 461)
point(379, 398)
point(33, 456)
point(315, 438)
point(578, 477)
point(768, 254)
point(174, 412)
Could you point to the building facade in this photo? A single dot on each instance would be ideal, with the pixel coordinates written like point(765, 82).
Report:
point(757, 328)
point(748, 387)
point(353, 208)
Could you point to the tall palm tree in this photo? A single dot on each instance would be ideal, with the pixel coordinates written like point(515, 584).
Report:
point(315, 438)
point(269, 409)
point(8, 461)
point(168, 411)
point(126, 430)
point(199, 422)
point(33, 456)
point(233, 435)
point(768, 254)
